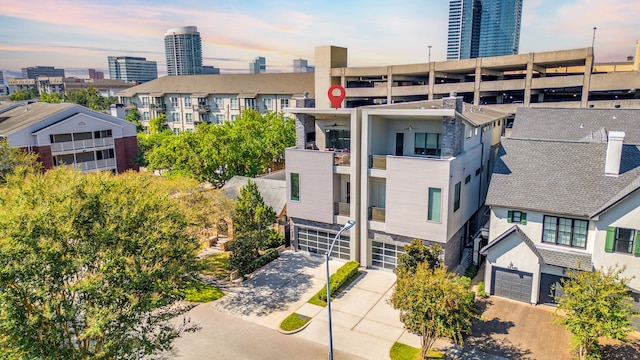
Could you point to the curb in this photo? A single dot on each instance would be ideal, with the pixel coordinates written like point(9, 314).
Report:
point(294, 331)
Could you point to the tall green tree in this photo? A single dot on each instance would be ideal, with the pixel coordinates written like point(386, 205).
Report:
point(247, 146)
point(434, 303)
point(85, 263)
point(91, 98)
point(16, 161)
point(158, 124)
point(22, 95)
point(51, 98)
point(594, 305)
point(251, 213)
point(244, 252)
point(416, 253)
point(133, 115)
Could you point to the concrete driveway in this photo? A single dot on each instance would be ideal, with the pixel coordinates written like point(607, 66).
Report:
point(366, 325)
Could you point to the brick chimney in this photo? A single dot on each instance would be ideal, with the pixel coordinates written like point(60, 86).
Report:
point(614, 153)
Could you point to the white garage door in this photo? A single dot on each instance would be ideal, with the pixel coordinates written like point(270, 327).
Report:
point(318, 242)
point(512, 284)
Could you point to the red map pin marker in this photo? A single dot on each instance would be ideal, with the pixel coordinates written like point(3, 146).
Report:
point(336, 100)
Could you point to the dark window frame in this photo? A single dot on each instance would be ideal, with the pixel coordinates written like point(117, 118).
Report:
point(295, 187)
point(630, 242)
point(557, 231)
point(456, 196)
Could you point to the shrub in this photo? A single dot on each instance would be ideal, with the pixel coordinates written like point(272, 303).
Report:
point(272, 239)
point(481, 291)
point(472, 271)
point(263, 260)
point(341, 276)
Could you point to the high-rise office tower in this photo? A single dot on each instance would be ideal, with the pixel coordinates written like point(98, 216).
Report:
point(183, 49)
point(132, 69)
point(35, 71)
point(483, 28)
point(258, 65)
point(500, 27)
point(1, 78)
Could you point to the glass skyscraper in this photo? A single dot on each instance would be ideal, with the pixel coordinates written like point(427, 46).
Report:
point(183, 49)
point(482, 28)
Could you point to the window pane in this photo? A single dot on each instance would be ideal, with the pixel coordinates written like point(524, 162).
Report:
point(433, 212)
point(549, 233)
point(579, 233)
point(295, 186)
point(420, 144)
point(564, 231)
point(624, 240)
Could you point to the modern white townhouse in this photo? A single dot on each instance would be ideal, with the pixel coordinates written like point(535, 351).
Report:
point(70, 135)
point(403, 171)
point(564, 195)
point(189, 100)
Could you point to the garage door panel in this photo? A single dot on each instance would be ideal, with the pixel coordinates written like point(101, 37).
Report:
point(512, 284)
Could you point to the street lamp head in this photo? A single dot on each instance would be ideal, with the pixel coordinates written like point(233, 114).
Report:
point(349, 225)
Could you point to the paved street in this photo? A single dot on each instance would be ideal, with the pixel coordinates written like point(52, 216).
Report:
point(243, 324)
point(224, 336)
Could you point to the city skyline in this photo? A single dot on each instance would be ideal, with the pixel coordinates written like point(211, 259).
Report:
point(77, 35)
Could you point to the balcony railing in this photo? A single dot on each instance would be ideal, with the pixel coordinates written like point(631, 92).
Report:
point(342, 159)
point(378, 162)
point(202, 108)
point(158, 107)
point(376, 214)
point(343, 209)
point(81, 144)
point(91, 165)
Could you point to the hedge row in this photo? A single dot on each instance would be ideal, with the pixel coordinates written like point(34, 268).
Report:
point(266, 258)
point(344, 273)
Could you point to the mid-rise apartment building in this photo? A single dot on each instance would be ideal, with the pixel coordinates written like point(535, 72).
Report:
point(70, 135)
point(132, 69)
point(189, 100)
point(35, 71)
point(405, 171)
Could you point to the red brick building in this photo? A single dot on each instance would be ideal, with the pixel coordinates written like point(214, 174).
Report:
point(70, 135)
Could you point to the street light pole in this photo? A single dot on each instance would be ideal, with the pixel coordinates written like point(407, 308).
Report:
point(346, 227)
point(429, 53)
point(593, 40)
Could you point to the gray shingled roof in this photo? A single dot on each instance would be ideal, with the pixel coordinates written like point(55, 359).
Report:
point(566, 259)
point(270, 84)
point(556, 257)
point(274, 192)
point(576, 124)
point(560, 177)
point(25, 115)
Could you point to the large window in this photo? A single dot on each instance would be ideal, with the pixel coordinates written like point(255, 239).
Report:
point(434, 205)
point(175, 117)
point(174, 101)
point(268, 104)
point(564, 231)
point(218, 102)
point(456, 197)
point(187, 102)
point(188, 117)
point(250, 103)
point(622, 240)
point(233, 102)
point(337, 139)
point(145, 101)
point(284, 103)
point(427, 144)
point(295, 186)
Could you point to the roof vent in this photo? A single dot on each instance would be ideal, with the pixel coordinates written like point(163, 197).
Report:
point(614, 153)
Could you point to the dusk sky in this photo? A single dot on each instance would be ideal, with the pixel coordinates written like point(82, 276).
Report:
point(77, 35)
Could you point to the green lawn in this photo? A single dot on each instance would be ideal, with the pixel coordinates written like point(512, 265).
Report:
point(217, 265)
point(405, 352)
point(294, 322)
point(198, 292)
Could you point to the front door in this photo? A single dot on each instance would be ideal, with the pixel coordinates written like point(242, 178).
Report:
point(399, 144)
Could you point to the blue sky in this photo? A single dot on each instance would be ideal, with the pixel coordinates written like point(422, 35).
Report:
point(77, 35)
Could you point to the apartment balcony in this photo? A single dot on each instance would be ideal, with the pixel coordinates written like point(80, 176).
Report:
point(95, 165)
point(342, 209)
point(378, 162)
point(161, 108)
point(342, 159)
point(132, 106)
point(202, 108)
point(67, 146)
point(376, 214)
